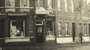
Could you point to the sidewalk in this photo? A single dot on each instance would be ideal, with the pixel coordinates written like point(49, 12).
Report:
point(49, 46)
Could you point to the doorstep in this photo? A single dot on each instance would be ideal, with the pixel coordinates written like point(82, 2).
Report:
point(23, 39)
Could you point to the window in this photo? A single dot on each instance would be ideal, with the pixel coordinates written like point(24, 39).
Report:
point(68, 29)
point(39, 3)
point(39, 29)
point(2, 4)
point(49, 25)
point(85, 29)
point(17, 28)
point(62, 5)
point(50, 31)
point(69, 5)
point(24, 5)
point(80, 28)
point(58, 4)
point(10, 5)
point(64, 29)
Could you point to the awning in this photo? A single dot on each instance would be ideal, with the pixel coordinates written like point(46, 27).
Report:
point(41, 10)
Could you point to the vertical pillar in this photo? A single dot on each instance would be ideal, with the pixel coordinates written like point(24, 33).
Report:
point(77, 29)
point(63, 31)
point(7, 27)
point(73, 30)
point(87, 29)
point(83, 28)
point(29, 26)
point(70, 26)
point(58, 4)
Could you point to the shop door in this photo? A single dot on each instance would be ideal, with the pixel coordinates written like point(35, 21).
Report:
point(40, 29)
point(39, 34)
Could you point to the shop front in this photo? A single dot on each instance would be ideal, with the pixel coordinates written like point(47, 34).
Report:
point(44, 28)
point(17, 29)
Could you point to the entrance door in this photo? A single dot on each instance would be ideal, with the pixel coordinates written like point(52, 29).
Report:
point(39, 32)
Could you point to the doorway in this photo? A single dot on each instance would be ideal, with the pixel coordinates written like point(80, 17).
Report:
point(39, 30)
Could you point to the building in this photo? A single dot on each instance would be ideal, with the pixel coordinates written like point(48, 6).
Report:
point(14, 16)
point(73, 22)
point(60, 21)
point(26, 20)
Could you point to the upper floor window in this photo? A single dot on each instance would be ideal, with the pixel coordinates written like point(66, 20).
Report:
point(2, 4)
point(10, 5)
point(24, 5)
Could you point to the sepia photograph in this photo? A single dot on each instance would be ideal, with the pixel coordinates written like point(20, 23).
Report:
point(44, 24)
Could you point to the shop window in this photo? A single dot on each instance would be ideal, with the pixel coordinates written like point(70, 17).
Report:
point(85, 30)
point(50, 31)
point(59, 29)
point(64, 29)
point(39, 29)
point(50, 28)
point(67, 29)
point(17, 28)
point(80, 29)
